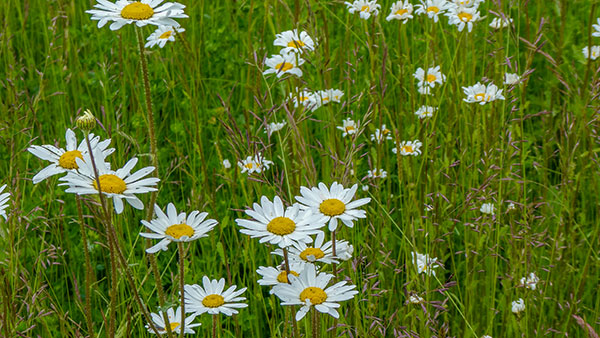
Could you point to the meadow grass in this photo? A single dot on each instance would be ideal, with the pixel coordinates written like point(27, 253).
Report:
point(538, 149)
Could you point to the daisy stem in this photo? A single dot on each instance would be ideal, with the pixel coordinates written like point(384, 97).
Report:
point(181, 283)
point(214, 326)
point(88, 270)
point(334, 266)
point(315, 323)
point(287, 264)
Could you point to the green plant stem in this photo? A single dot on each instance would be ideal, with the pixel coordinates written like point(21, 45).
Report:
point(88, 270)
point(181, 287)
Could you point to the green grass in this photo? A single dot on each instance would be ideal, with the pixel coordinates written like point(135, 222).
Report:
point(538, 148)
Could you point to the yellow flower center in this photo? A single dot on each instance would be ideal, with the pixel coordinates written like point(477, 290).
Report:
point(137, 11)
point(431, 78)
point(480, 97)
point(213, 301)
point(318, 253)
point(332, 207)
point(110, 183)
point(67, 160)
point(465, 17)
point(365, 9)
point(249, 165)
point(281, 226)
point(407, 149)
point(165, 36)
point(350, 128)
point(173, 326)
point(179, 230)
point(385, 131)
point(314, 294)
point(284, 66)
point(296, 44)
point(401, 11)
point(433, 9)
point(282, 277)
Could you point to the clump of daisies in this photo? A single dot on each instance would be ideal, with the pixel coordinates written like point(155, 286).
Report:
point(482, 94)
point(254, 164)
point(142, 13)
point(432, 8)
point(287, 61)
point(364, 8)
point(400, 10)
point(408, 148)
point(463, 16)
point(315, 100)
point(381, 134)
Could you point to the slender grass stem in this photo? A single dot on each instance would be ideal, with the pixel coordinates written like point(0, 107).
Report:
point(181, 286)
point(88, 270)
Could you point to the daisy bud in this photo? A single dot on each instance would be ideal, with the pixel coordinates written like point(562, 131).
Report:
point(86, 122)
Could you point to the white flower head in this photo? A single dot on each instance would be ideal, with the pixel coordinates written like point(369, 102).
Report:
point(531, 281)
point(4, 198)
point(330, 95)
point(273, 127)
point(518, 306)
point(377, 173)
point(409, 148)
point(498, 23)
point(415, 299)
point(425, 111)
point(482, 94)
point(432, 8)
point(462, 17)
point(309, 100)
point(284, 64)
point(273, 276)
point(424, 263)
point(320, 251)
point(467, 3)
point(143, 12)
point(400, 10)
point(163, 34)
point(211, 298)
point(487, 208)
point(348, 127)
point(226, 164)
point(254, 164)
point(381, 134)
point(429, 78)
point(511, 79)
point(292, 42)
point(174, 322)
point(364, 8)
point(591, 53)
point(596, 29)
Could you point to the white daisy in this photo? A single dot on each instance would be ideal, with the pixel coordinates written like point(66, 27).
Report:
point(64, 160)
point(334, 203)
point(275, 224)
point(118, 185)
point(531, 281)
point(284, 64)
point(163, 34)
point(273, 127)
point(330, 95)
point(212, 299)
point(593, 54)
point(381, 134)
point(432, 8)
point(273, 276)
point(518, 306)
point(425, 111)
point(498, 23)
point(364, 8)
point(511, 79)
point(226, 164)
point(254, 164)
point(320, 251)
point(596, 29)
point(467, 3)
point(487, 208)
point(144, 12)
point(429, 79)
point(174, 322)
point(482, 94)
point(306, 98)
point(348, 127)
point(415, 299)
point(310, 289)
point(174, 227)
point(401, 10)
point(377, 173)
point(409, 148)
point(4, 197)
point(462, 17)
point(424, 263)
point(294, 43)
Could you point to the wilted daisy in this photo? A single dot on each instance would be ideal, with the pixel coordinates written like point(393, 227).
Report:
point(334, 203)
point(482, 94)
point(273, 223)
point(518, 306)
point(511, 79)
point(531, 281)
point(174, 322)
point(254, 164)
point(273, 127)
point(310, 289)
point(348, 127)
point(64, 160)
point(144, 12)
point(174, 227)
point(409, 148)
point(330, 95)
point(320, 251)
point(593, 54)
point(424, 263)
point(487, 208)
point(273, 276)
point(462, 17)
point(377, 173)
point(226, 164)
point(425, 111)
point(163, 34)
point(284, 64)
point(118, 185)
point(429, 79)
point(294, 42)
point(212, 299)
point(432, 8)
point(596, 29)
point(401, 10)
point(498, 23)
point(381, 134)
point(4, 197)
point(364, 8)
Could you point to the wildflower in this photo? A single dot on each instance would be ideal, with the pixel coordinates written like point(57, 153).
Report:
point(467, 3)
point(381, 134)
point(377, 173)
point(174, 322)
point(308, 99)
point(273, 127)
point(64, 160)
point(334, 203)
point(596, 29)
point(487, 208)
point(432, 8)
point(592, 53)
point(330, 95)
point(118, 185)
point(273, 276)
point(409, 148)
point(294, 42)
point(364, 8)
point(310, 289)
point(321, 251)
point(482, 94)
point(142, 12)
point(226, 164)
point(349, 127)
point(4, 197)
point(401, 10)
point(284, 64)
point(86, 122)
point(425, 111)
point(174, 227)
point(531, 281)
point(275, 224)
point(424, 264)
point(462, 17)
point(212, 299)
point(415, 299)
point(430, 78)
point(511, 79)
point(254, 164)
point(163, 34)
point(518, 306)
point(498, 23)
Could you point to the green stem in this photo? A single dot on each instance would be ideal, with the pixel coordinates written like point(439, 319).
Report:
point(88, 270)
point(181, 283)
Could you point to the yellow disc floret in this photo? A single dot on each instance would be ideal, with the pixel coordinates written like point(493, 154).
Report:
point(179, 230)
point(315, 252)
point(282, 277)
point(465, 17)
point(401, 11)
point(213, 301)
point(332, 207)
point(431, 78)
point(433, 9)
point(111, 184)
point(408, 149)
point(295, 44)
point(137, 11)
point(67, 160)
point(284, 66)
point(281, 226)
point(166, 35)
point(314, 294)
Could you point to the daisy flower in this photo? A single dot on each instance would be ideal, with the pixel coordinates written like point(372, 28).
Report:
point(381, 134)
point(275, 224)
point(518, 306)
point(330, 95)
point(424, 264)
point(284, 64)
point(273, 127)
point(498, 23)
point(511, 79)
point(482, 94)
point(425, 111)
point(174, 227)
point(487, 208)
point(591, 54)
point(430, 78)
point(467, 3)
point(4, 197)
point(212, 299)
point(174, 322)
point(144, 12)
point(377, 173)
point(64, 160)
point(306, 98)
point(348, 127)
point(432, 8)
point(163, 34)
point(334, 203)
point(409, 148)
point(226, 164)
point(531, 281)
point(462, 16)
point(320, 251)
point(273, 276)
point(294, 42)
point(364, 8)
point(415, 299)
point(400, 10)
point(118, 185)
point(254, 164)
point(596, 29)
point(310, 289)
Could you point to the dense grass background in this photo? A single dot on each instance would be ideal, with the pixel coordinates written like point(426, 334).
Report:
point(538, 148)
